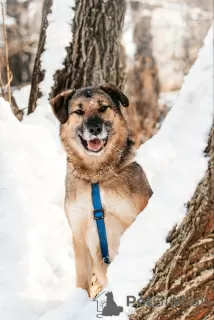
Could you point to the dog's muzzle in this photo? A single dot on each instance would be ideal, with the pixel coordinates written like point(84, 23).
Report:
point(94, 135)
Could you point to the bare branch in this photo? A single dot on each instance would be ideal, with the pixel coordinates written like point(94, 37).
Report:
point(9, 78)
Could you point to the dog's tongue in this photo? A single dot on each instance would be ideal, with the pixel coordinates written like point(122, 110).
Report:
point(94, 144)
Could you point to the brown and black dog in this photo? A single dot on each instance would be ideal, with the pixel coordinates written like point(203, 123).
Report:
point(95, 137)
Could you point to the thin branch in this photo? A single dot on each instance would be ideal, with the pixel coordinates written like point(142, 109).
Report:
point(1, 86)
point(1, 80)
point(6, 53)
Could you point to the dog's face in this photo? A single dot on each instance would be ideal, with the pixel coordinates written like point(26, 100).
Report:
point(91, 120)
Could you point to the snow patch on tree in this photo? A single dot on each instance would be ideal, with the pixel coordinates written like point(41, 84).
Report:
point(58, 37)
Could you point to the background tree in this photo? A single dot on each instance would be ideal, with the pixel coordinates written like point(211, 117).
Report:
point(22, 34)
point(93, 56)
point(186, 269)
point(142, 80)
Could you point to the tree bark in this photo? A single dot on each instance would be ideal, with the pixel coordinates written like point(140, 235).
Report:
point(94, 55)
point(185, 273)
point(38, 73)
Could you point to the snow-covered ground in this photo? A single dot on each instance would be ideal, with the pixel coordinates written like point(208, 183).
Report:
point(37, 278)
point(36, 261)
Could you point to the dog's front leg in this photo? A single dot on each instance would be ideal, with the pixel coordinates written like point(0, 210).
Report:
point(83, 263)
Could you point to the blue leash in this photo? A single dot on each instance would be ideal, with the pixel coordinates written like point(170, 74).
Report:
point(99, 217)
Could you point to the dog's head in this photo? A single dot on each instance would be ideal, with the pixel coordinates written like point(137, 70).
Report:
point(92, 123)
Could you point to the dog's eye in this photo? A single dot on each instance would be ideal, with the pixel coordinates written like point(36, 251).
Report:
point(103, 108)
point(79, 111)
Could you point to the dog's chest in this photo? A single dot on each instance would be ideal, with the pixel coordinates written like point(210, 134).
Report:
point(79, 208)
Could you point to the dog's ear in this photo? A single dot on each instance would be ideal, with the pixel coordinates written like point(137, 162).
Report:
point(60, 105)
point(116, 94)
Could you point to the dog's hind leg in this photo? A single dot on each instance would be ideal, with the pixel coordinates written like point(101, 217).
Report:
point(83, 263)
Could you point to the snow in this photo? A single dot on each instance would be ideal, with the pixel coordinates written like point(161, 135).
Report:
point(22, 96)
point(127, 35)
point(58, 37)
point(37, 274)
point(174, 163)
point(168, 98)
point(9, 21)
point(37, 269)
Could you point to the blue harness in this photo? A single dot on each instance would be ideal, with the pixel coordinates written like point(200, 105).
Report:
point(99, 217)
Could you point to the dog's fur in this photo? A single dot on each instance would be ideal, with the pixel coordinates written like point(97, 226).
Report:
point(124, 188)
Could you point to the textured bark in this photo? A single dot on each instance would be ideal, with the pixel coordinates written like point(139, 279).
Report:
point(143, 82)
point(38, 73)
point(94, 55)
point(17, 113)
point(187, 268)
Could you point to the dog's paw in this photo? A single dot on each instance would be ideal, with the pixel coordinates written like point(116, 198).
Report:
point(95, 287)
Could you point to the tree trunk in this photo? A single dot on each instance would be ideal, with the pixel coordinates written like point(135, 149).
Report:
point(94, 55)
point(185, 273)
point(143, 82)
point(38, 74)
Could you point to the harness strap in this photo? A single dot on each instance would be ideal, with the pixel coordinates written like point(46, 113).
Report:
point(99, 217)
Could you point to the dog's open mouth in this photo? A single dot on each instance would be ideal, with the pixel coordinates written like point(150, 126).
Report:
point(94, 145)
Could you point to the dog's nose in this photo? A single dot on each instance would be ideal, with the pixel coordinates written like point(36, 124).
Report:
point(95, 129)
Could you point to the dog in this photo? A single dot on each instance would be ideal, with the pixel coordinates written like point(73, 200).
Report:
point(96, 139)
